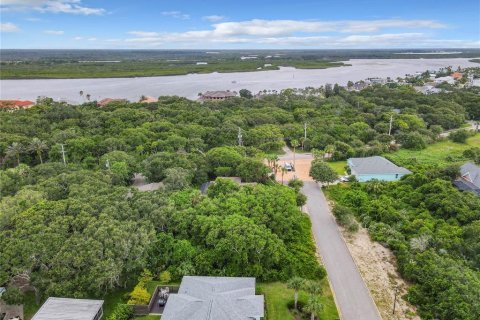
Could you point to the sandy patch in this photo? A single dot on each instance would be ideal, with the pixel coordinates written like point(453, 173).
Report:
point(302, 170)
point(377, 266)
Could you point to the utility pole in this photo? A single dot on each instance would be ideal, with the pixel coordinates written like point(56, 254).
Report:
point(390, 129)
point(304, 135)
point(63, 155)
point(240, 137)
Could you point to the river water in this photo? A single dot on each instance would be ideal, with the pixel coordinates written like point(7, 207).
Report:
point(190, 85)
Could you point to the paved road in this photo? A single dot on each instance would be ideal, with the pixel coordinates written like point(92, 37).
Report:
point(351, 293)
point(474, 126)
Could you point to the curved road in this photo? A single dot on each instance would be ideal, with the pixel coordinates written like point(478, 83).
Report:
point(352, 296)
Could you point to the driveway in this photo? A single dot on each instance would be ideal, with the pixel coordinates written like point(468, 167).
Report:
point(351, 294)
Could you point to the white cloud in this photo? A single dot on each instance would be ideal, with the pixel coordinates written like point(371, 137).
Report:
point(176, 15)
point(92, 39)
point(8, 27)
point(55, 6)
point(78, 38)
point(54, 32)
point(214, 18)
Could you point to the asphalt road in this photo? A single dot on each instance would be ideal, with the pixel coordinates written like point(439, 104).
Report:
point(352, 296)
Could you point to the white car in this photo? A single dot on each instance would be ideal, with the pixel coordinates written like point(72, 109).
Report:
point(344, 178)
point(288, 167)
point(2, 290)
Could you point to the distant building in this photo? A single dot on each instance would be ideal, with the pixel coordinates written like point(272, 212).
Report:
point(379, 168)
point(447, 79)
point(106, 101)
point(469, 178)
point(212, 298)
point(148, 99)
point(201, 63)
point(217, 95)
point(456, 75)
point(16, 104)
point(70, 309)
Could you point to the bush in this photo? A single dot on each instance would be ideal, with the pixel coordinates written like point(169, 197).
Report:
point(301, 199)
point(459, 136)
point(296, 184)
point(13, 296)
point(165, 277)
point(139, 295)
point(121, 312)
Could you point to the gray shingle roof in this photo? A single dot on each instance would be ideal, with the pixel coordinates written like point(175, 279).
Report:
point(375, 165)
point(68, 309)
point(211, 298)
point(471, 173)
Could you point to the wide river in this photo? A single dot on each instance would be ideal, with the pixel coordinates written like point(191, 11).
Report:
point(190, 85)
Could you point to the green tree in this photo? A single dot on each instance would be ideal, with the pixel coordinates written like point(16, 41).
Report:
point(313, 306)
point(38, 146)
point(177, 178)
point(251, 170)
point(459, 136)
point(244, 93)
point(14, 150)
point(296, 283)
point(320, 171)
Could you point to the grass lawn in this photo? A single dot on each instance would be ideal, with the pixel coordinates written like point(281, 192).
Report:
point(30, 307)
point(435, 154)
point(277, 297)
point(338, 166)
point(114, 298)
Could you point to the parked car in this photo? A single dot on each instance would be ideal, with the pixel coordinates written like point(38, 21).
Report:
point(2, 291)
point(289, 167)
point(344, 178)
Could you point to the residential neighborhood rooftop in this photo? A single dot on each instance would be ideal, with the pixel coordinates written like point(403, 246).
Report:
point(211, 298)
point(69, 309)
point(469, 178)
point(376, 165)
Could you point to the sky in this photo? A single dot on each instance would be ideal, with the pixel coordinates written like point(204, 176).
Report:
point(246, 24)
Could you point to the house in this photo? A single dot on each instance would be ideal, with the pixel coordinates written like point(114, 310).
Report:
point(148, 99)
point(456, 75)
point(217, 95)
point(469, 178)
point(70, 309)
point(447, 79)
point(106, 101)
point(379, 168)
point(212, 298)
point(16, 104)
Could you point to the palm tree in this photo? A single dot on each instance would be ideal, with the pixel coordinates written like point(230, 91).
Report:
point(294, 143)
point(38, 146)
point(295, 283)
point(314, 306)
point(313, 287)
point(284, 170)
point(14, 150)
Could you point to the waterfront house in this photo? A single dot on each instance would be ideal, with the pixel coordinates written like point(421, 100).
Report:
point(70, 309)
point(217, 95)
point(211, 298)
point(376, 167)
point(469, 179)
point(16, 104)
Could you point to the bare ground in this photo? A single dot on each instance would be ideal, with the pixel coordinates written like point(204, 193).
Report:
point(377, 266)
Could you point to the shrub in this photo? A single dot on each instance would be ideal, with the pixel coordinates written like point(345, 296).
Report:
point(13, 296)
point(459, 136)
point(121, 312)
point(296, 184)
point(301, 199)
point(165, 277)
point(139, 295)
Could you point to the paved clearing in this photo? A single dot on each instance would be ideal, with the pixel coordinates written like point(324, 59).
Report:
point(352, 296)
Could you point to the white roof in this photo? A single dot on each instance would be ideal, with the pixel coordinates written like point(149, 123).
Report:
point(68, 309)
point(375, 165)
point(211, 298)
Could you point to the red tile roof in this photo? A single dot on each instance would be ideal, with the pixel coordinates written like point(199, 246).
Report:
point(16, 103)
